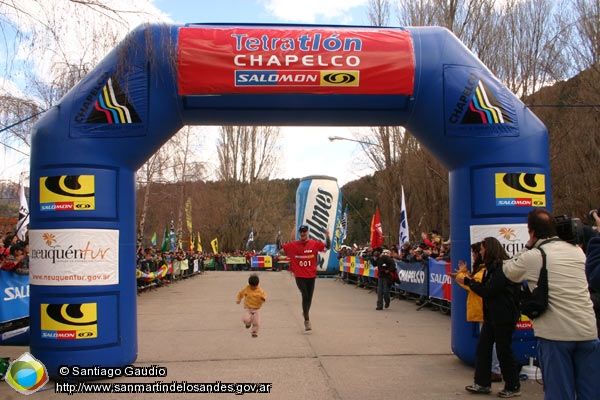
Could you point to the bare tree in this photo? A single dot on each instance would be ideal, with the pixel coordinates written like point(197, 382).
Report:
point(520, 41)
point(531, 54)
point(530, 45)
point(47, 47)
point(400, 160)
point(16, 115)
point(383, 157)
point(420, 13)
point(379, 12)
point(247, 158)
point(584, 46)
point(181, 158)
point(247, 153)
point(45, 54)
point(148, 174)
point(175, 162)
point(472, 21)
point(581, 39)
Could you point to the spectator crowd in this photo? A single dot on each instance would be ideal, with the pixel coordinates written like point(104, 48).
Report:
point(14, 254)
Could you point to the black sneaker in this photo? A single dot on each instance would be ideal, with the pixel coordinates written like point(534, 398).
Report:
point(506, 394)
point(478, 389)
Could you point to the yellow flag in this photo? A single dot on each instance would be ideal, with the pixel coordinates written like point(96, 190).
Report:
point(215, 245)
point(188, 214)
point(199, 244)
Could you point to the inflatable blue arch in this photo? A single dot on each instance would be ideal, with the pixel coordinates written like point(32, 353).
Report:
point(86, 150)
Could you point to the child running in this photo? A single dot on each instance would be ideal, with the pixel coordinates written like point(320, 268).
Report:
point(254, 297)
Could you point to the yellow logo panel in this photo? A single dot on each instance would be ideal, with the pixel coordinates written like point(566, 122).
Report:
point(67, 193)
point(340, 78)
point(69, 321)
point(520, 189)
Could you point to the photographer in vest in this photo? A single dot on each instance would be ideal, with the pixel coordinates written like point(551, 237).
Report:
point(568, 348)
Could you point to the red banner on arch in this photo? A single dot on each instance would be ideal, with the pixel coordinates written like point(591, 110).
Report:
point(295, 60)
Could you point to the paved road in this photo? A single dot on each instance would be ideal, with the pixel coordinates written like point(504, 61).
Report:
point(193, 329)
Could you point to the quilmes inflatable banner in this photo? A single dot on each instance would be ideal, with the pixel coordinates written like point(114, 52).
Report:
point(319, 205)
point(163, 77)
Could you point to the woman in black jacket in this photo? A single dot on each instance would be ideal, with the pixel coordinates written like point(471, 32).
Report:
point(500, 314)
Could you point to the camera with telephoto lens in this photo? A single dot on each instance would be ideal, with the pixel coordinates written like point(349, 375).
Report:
point(572, 230)
point(569, 229)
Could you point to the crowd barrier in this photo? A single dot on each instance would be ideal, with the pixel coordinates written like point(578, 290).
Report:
point(166, 273)
point(254, 262)
point(261, 262)
point(430, 280)
point(431, 283)
point(14, 309)
point(257, 262)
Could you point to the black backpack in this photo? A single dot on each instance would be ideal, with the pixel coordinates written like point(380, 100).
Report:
point(534, 303)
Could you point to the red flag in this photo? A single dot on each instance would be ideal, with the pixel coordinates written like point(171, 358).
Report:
point(376, 230)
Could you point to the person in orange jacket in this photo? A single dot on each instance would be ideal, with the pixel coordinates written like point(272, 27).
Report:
point(475, 302)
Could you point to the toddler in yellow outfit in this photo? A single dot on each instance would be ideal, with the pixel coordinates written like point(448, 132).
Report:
point(254, 297)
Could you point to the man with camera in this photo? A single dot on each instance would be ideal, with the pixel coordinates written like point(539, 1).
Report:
point(568, 346)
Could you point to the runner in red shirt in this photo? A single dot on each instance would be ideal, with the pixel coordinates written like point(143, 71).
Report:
point(304, 261)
